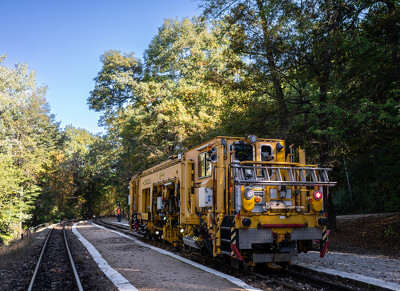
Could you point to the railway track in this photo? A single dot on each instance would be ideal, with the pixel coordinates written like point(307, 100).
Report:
point(292, 279)
point(297, 281)
point(55, 268)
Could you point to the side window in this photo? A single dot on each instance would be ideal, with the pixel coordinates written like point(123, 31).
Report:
point(266, 153)
point(205, 165)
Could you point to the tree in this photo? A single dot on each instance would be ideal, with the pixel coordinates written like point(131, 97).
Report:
point(322, 74)
point(337, 62)
point(77, 178)
point(174, 103)
point(28, 133)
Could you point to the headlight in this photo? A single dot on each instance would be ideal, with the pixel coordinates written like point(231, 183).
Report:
point(252, 138)
point(248, 194)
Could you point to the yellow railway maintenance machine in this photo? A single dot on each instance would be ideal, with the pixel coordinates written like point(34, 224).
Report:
point(240, 197)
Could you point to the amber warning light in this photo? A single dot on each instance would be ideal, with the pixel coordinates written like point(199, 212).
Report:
point(317, 195)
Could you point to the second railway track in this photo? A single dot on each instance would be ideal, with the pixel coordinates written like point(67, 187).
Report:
point(55, 269)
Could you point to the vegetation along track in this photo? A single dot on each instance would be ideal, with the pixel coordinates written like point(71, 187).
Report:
point(55, 269)
point(295, 278)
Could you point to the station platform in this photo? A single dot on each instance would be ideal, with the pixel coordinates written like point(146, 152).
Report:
point(133, 265)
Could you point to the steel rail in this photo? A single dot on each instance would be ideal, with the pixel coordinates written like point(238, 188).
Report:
point(120, 228)
point(71, 261)
point(324, 284)
point(317, 282)
point(39, 260)
point(276, 280)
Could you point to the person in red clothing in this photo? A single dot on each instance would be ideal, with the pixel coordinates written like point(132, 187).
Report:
point(119, 214)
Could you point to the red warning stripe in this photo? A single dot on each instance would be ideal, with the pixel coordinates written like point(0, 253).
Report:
point(324, 249)
point(237, 253)
point(282, 225)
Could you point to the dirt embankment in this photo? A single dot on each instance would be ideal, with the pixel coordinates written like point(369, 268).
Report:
point(377, 234)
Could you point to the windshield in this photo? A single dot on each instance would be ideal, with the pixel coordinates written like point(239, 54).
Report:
point(243, 152)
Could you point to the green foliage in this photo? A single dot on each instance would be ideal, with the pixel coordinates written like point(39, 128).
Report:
point(322, 74)
point(339, 70)
point(77, 178)
point(391, 233)
point(174, 103)
point(116, 80)
point(27, 134)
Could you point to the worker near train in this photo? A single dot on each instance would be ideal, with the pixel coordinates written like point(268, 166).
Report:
point(119, 214)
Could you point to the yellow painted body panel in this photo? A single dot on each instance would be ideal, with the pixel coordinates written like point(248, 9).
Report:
point(197, 193)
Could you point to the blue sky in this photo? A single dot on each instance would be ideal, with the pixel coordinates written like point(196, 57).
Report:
point(63, 40)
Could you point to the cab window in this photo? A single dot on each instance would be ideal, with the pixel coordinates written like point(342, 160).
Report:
point(243, 152)
point(205, 165)
point(266, 153)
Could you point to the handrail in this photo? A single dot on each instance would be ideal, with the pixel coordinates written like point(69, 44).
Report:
point(281, 175)
point(275, 163)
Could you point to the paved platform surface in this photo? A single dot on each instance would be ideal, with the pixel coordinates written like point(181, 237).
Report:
point(375, 270)
point(144, 268)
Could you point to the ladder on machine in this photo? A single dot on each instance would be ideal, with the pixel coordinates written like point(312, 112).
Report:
point(226, 234)
point(281, 175)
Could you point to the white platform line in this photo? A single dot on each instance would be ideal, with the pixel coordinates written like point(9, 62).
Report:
point(358, 277)
point(118, 280)
point(231, 279)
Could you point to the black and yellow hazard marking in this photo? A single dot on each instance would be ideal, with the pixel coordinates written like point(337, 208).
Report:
point(324, 242)
point(324, 235)
point(235, 253)
point(233, 239)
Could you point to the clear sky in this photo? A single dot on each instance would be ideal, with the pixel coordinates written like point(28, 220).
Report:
point(63, 40)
